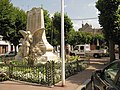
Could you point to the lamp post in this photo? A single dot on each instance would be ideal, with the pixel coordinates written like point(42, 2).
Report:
point(62, 43)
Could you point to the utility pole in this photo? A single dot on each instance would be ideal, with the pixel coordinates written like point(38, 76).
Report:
point(62, 43)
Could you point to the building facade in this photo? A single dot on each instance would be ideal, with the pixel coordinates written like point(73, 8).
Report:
point(5, 46)
point(88, 28)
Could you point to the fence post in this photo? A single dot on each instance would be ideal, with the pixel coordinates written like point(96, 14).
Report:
point(53, 73)
point(77, 65)
point(48, 73)
point(10, 71)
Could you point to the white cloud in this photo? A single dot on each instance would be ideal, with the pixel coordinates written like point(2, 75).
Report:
point(51, 15)
point(91, 5)
point(78, 24)
point(94, 23)
point(97, 12)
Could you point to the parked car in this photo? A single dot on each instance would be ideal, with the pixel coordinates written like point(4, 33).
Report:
point(106, 79)
point(84, 50)
point(8, 54)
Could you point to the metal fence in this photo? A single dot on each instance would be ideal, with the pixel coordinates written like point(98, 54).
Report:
point(47, 74)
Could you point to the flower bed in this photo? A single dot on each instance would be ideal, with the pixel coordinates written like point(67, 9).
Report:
point(47, 74)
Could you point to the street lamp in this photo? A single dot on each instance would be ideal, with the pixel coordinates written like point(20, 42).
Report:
point(62, 43)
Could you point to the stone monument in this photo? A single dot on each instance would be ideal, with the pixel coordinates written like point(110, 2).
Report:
point(35, 44)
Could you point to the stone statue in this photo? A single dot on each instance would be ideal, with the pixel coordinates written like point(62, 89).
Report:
point(35, 44)
point(26, 42)
point(29, 43)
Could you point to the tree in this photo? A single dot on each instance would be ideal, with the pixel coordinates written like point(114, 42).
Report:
point(68, 25)
point(117, 24)
point(12, 20)
point(79, 37)
point(73, 37)
point(5, 16)
point(108, 20)
point(48, 25)
point(98, 39)
point(19, 23)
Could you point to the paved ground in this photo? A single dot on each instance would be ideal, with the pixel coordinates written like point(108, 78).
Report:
point(72, 83)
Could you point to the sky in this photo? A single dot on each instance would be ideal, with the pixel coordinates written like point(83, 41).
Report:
point(75, 9)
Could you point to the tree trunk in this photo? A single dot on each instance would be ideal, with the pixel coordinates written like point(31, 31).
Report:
point(119, 50)
point(112, 50)
point(15, 49)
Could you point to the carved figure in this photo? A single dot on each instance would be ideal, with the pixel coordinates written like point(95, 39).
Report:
point(30, 43)
point(26, 42)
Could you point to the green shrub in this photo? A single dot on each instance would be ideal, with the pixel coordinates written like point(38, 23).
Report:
point(3, 76)
point(18, 63)
point(72, 58)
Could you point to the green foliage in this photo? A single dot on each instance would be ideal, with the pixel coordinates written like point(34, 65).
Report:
point(80, 37)
point(74, 67)
point(48, 25)
point(3, 76)
point(72, 37)
point(12, 19)
point(19, 63)
point(68, 25)
point(72, 58)
point(118, 24)
point(98, 37)
point(5, 16)
point(3, 73)
point(19, 20)
point(49, 73)
point(109, 18)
